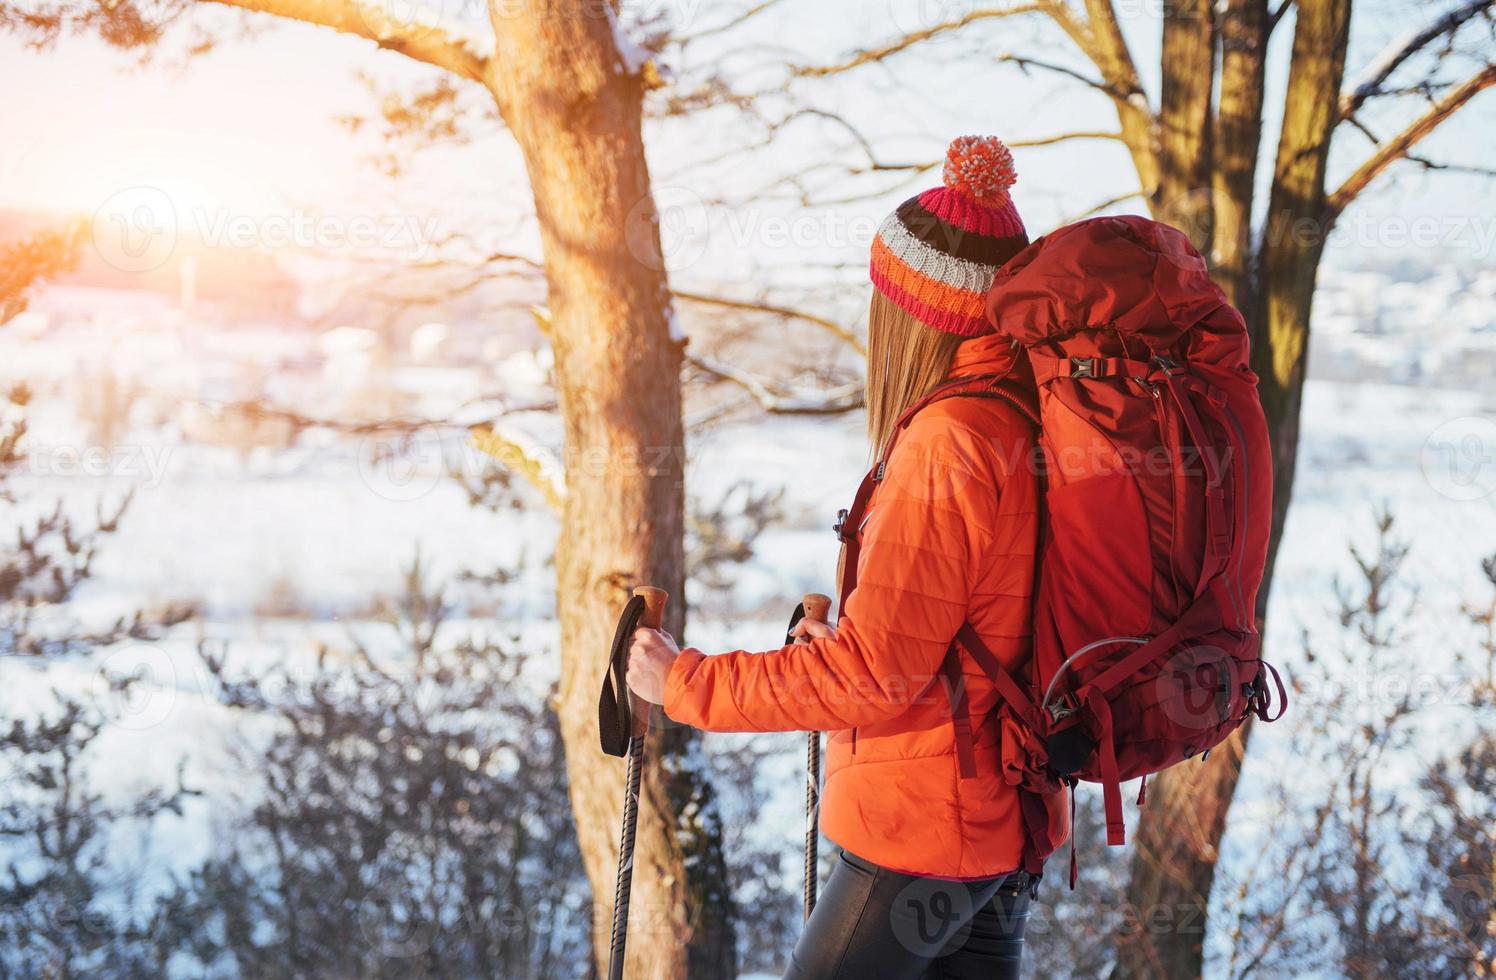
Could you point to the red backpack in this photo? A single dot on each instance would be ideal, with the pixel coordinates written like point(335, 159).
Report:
point(1158, 507)
point(1158, 504)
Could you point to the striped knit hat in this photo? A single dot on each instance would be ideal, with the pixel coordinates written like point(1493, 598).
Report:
point(935, 256)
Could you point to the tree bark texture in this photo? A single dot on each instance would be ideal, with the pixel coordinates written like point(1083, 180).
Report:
point(1187, 63)
point(1238, 132)
point(575, 109)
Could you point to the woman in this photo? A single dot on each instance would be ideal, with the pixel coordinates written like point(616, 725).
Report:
point(930, 879)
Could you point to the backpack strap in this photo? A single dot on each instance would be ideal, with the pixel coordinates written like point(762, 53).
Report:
point(1047, 367)
point(955, 692)
point(1007, 688)
point(848, 525)
point(1037, 843)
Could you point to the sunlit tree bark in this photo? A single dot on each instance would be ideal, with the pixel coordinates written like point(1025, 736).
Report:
point(570, 88)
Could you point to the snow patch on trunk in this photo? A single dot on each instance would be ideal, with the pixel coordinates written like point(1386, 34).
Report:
point(632, 55)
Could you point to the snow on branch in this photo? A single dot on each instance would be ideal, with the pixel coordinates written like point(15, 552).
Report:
point(522, 455)
point(635, 58)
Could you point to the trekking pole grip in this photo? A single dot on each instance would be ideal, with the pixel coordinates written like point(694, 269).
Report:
point(817, 606)
point(653, 617)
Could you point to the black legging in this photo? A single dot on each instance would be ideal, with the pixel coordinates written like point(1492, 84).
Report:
point(873, 922)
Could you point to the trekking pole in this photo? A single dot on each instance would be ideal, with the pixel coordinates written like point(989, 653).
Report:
point(816, 607)
point(622, 714)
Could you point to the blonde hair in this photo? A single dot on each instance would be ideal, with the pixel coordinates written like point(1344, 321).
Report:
point(905, 359)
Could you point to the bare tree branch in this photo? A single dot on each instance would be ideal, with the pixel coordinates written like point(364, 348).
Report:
point(831, 326)
point(1277, 15)
point(427, 39)
point(1101, 39)
point(835, 401)
point(910, 171)
point(1397, 148)
point(1026, 63)
point(925, 165)
point(1453, 168)
point(1062, 137)
point(728, 25)
point(913, 38)
point(1368, 83)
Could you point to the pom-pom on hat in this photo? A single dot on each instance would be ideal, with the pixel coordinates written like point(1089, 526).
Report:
point(935, 256)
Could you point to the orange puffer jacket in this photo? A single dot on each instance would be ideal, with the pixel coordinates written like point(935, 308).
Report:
point(949, 538)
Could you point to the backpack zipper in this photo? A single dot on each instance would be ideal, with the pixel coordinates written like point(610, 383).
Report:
point(1243, 621)
point(1166, 436)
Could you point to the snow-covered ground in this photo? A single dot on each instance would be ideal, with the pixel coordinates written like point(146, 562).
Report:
point(317, 526)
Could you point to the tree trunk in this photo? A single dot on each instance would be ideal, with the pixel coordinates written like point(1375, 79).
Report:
point(1294, 238)
point(575, 110)
point(1175, 849)
point(1177, 844)
point(1238, 133)
point(1187, 65)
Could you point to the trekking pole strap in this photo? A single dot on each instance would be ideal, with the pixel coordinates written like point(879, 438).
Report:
point(615, 716)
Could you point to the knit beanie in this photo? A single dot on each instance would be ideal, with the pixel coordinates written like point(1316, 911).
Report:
point(935, 256)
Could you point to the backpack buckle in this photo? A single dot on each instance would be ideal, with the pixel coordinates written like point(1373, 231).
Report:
point(1062, 708)
point(1083, 367)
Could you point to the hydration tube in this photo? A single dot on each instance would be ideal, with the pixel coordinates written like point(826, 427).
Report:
point(1049, 691)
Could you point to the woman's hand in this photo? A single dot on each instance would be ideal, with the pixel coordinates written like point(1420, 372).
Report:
point(812, 629)
point(651, 656)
